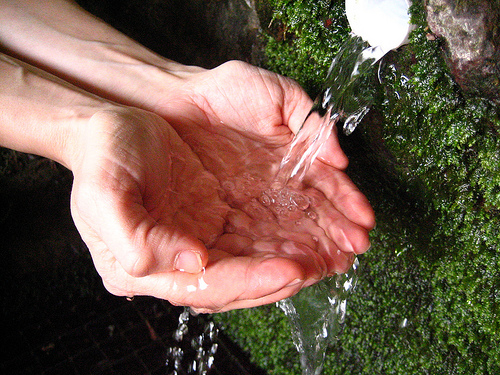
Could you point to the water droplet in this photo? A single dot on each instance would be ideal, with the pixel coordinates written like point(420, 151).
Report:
point(182, 329)
point(314, 202)
point(300, 201)
point(312, 215)
point(265, 199)
point(214, 348)
point(202, 284)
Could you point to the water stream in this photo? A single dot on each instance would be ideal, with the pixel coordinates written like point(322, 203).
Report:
point(194, 352)
point(317, 313)
point(346, 98)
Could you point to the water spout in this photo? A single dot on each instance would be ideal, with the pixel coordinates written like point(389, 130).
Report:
point(384, 24)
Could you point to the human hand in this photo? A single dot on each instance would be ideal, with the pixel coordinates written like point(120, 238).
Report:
point(141, 197)
point(233, 117)
point(240, 133)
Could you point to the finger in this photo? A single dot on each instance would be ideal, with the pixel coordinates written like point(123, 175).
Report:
point(281, 294)
point(312, 263)
point(339, 262)
point(342, 193)
point(342, 265)
point(332, 154)
point(151, 248)
point(303, 230)
point(348, 236)
point(226, 280)
point(336, 260)
point(140, 244)
point(296, 109)
point(296, 104)
point(286, 239)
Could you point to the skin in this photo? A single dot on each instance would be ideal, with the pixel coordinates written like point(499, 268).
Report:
point(151, 142)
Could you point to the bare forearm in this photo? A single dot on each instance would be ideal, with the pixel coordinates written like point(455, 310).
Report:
point(62, 38)
point(39, 113)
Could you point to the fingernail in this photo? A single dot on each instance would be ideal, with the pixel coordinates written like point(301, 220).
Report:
point(188, 261)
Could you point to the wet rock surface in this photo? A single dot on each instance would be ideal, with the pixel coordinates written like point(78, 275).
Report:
point(471, 33)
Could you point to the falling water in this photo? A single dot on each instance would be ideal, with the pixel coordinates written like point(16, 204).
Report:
point(346, 98)
point(317, 313)
point(203, 344)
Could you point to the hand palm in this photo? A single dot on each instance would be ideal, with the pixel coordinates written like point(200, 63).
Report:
point(244, 129)
point(164, 200)
point(150, 196)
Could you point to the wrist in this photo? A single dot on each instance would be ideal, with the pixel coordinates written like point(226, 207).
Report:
point(41, 114)
point(129, 74)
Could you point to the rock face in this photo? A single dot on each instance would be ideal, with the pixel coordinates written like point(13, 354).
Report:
point(194, 32)
point(471, 30)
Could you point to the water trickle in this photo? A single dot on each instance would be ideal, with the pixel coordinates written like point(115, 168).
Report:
point(180, 360)
point(346, 97)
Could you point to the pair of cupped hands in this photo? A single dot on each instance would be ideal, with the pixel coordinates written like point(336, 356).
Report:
point(147, 196)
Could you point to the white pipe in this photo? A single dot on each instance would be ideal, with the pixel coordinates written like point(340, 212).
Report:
point(381, 23)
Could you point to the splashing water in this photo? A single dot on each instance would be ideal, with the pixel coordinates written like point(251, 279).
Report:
point(317, 313)
point(347, 97)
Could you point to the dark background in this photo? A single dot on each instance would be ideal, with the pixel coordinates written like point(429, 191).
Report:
point(56, 315)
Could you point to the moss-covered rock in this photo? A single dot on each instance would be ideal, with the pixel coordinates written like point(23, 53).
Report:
point(428, 158)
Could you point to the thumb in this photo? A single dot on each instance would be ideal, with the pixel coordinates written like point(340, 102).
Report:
point(140, 244)
point(144, 247)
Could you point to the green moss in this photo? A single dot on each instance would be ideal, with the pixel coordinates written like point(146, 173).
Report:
point(303, 36)
point(428, 158)
point(265, 334)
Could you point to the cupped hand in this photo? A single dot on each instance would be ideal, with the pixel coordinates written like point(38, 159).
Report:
point(148, 210)
point(185, 215)
point(183, 218)
point(240, 109)
point(239, 120)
